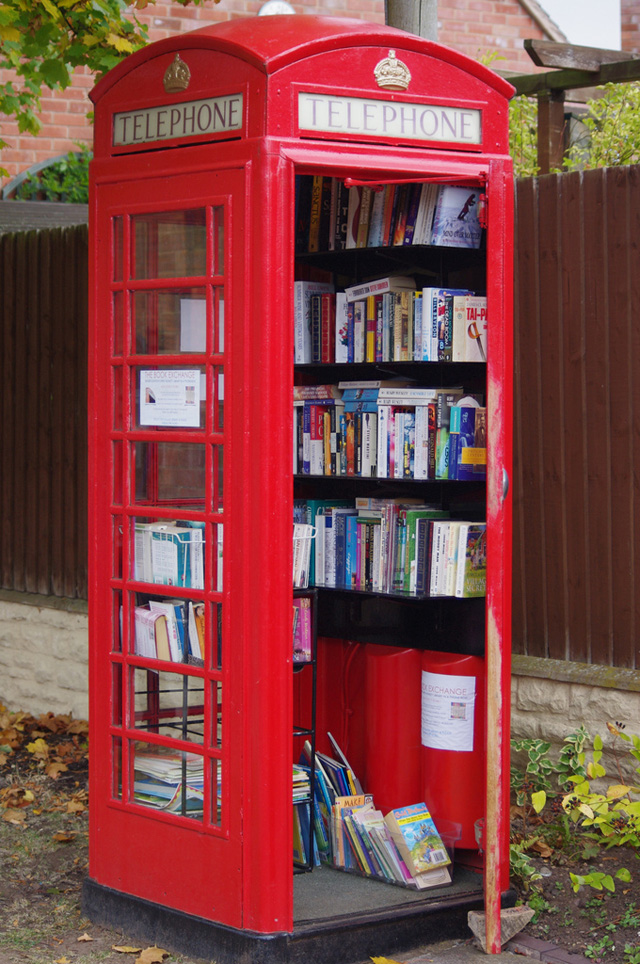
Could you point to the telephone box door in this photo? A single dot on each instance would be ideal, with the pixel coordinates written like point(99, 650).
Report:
point(163, 499)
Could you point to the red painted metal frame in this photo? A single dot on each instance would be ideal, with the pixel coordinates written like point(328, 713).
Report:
point(241, 877)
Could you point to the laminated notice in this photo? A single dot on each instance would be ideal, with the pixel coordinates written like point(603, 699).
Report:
point(448, 704)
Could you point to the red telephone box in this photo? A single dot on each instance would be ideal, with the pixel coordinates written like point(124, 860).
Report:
point(204, 146)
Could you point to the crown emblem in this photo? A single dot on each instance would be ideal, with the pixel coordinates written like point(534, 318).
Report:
point(177, 76)
point(391, 73)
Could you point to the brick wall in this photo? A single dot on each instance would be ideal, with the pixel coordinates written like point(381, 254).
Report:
point(630, 26)
point(476, 27)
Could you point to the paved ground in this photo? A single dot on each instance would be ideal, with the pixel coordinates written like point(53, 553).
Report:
point(468, 952)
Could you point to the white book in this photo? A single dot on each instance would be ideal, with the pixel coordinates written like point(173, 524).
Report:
point(359, 330)
point(341, 328)
point(369, 444)
point(380, 286)
point(382, 459)
point(421, 452)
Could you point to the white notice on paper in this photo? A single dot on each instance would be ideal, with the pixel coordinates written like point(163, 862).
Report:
point(170, 396)
point(447, 711)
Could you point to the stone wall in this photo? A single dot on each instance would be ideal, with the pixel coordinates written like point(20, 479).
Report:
point(43, 667)
point(44, 655)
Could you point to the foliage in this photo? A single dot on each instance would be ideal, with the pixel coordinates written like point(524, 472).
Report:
point(43, 41)
point(610, 131)
point(541, 772)
point(64, 180)
point(520, 865)
point(600, 818)
point(523, 135)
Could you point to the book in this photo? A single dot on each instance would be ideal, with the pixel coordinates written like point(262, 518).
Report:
point(315, 213)
point(469, 328)
point(151, 638)
point(196, 623)
point(174, 610)
point(302, 292)
point(471, 459)
point(415, 835)
point(455, 219)
point(302, 630)
point(380, 286)
point(471, 576)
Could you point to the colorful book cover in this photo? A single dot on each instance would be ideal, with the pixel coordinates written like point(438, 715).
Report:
point(455, 221)
point(416, 837)
point(471, 578)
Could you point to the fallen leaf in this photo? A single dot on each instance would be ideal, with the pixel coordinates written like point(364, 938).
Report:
point(75, 806)
point(384, 960)
point(62, 960)
point(85, 937)
point(63, 837)
point(17, 817)
point(53, 769)
point(125, 949)
point(39, 749)
point(152, 955)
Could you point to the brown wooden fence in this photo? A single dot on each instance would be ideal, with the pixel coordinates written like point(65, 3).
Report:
point(43, 412)
point(577, 415)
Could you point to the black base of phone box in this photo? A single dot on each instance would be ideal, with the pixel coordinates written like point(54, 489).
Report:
point(338, 919)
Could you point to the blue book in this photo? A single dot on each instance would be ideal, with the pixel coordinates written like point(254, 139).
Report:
point(351, 551)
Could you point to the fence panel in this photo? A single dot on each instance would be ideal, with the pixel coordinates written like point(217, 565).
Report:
point(43, 443)
point(577, 417)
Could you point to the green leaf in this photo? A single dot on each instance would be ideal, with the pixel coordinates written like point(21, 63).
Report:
point(623, 874)
point(538, 800)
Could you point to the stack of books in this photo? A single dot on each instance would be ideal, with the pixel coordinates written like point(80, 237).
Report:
point(402, 847)
point(388, 319)
point(332, 217)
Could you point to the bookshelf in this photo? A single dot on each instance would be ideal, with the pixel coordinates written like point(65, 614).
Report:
point(404, 292)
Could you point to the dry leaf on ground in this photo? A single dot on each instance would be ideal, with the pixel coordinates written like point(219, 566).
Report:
point(152, 955)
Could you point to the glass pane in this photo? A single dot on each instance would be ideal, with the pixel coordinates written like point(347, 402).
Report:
point(170, 322)
point(169, 552)
point(116, 773)
point(168, 780)
point(219, 240)
point(169, 629)
point(118, 248)
point(216, 714)
point(169, 397)
point(118, 398)
point(169, 472)
point(168, 704)
point(117, 622)
point(118, 322)
point(219, 346)
point(169, 244)
point(218, 477)
point(116, 449)
point(217, 560)
point(116, 694)
point(216, 635)
point(216, 798)
point(117, 547)
point(218, 401)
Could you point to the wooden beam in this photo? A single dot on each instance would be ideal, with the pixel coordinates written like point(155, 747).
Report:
point(618, 73)
point(419, 17)
point(551, 132)
point(545, 53)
